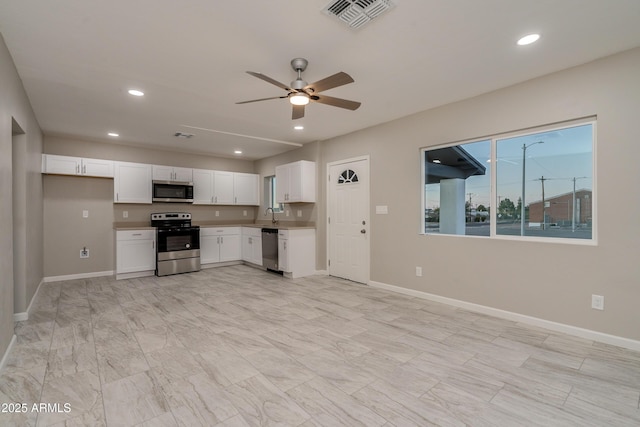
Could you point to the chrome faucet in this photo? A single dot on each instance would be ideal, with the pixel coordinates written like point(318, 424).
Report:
point(273, 215)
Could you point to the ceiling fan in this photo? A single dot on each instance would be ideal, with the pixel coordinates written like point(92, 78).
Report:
point(300, 93)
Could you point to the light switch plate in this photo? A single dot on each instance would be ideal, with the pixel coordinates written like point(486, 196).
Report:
point(125, 214)
point(217, 213)
point(597, 302)
point(85, 214)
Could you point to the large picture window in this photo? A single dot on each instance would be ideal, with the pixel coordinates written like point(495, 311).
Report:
point(533, 185)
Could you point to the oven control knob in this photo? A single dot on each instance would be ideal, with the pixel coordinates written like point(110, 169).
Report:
point(188, 245)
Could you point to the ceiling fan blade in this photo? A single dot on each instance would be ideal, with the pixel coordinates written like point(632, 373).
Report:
point(261, 99)
point(330, 82)
point(298, 112)
point(270, 80)
point(336, 102)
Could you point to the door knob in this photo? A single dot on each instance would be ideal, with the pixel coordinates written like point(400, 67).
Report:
point(363, 231)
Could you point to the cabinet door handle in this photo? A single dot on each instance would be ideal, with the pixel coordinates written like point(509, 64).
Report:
point(235, 200)
point(222, 240)
point(137, 234)
point(77, 169)
point(218, 240)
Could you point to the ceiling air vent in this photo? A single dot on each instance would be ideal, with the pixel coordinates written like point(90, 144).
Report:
point(356, 13)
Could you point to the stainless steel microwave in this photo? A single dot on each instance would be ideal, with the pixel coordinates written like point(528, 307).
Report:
point(172, 192)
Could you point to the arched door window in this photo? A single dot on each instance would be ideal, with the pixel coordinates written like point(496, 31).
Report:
point(348, 176)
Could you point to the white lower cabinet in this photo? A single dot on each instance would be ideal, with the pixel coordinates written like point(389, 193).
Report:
point(135, 253)
point(297, 252)
point(220, 244)
point(252, 245)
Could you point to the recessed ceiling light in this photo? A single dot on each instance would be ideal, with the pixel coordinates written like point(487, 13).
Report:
point(298, 127)
point(238, 152)
point(135, 92)
point(436, 161)
point(113, 134)
point(528, 39)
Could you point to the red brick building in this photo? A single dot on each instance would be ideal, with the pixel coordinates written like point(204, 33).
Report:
point(559, 209)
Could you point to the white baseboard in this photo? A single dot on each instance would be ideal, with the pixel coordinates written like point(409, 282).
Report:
point(135, 275)
point(20, 317)
point(5, 356)
point(222, 264)
point(516, 317)
point(78, 276)
point(322, 272)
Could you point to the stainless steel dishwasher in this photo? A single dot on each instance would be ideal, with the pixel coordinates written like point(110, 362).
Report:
point(270, 248)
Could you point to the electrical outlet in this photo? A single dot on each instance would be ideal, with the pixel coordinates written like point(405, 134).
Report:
point(85, 214)
point(597, 302)
point(125, 214)
point(299, 213)
point(244, 213)
point(419, 271)
point(286, 213)
point(84, 253)
point(217, 213)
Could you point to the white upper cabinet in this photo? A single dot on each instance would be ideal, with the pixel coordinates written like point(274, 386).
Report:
point(132, 183)
point(67, 165)
point(223, 188)
point(246, 189)
point(296, 182)
point(170, 173)
point(202, 187)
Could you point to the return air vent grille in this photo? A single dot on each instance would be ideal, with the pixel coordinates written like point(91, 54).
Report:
point(356, 13)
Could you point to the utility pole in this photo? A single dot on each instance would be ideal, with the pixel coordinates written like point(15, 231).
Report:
point(469, 194)
point(524, 163)
point(544, 216)
point(573, 208)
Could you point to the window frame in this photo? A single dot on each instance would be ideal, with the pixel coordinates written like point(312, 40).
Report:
point(593, 241)
point(270, 192)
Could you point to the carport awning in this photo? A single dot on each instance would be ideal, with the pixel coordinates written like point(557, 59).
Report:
point(450, 162)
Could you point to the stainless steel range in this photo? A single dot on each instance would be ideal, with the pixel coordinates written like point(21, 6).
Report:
point(178, 243)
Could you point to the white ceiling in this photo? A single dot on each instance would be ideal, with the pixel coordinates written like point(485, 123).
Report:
point(77, 58)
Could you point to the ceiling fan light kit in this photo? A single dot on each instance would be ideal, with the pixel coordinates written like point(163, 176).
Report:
point(299, 99)
point(300, 93)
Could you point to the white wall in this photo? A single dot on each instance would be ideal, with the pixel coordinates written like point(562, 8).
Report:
point(545, 280)
point(20, 192)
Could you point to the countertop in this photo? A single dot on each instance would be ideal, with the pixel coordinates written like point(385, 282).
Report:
point(208, 224)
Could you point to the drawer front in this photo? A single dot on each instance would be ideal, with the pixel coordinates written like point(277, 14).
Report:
point(219, 231)
point(136, 235)
point(283, 234)
point(251, 231)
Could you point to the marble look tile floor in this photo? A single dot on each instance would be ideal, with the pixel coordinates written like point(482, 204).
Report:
point(237, 346)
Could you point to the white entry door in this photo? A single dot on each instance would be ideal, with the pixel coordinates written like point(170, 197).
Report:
point(348, 222)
